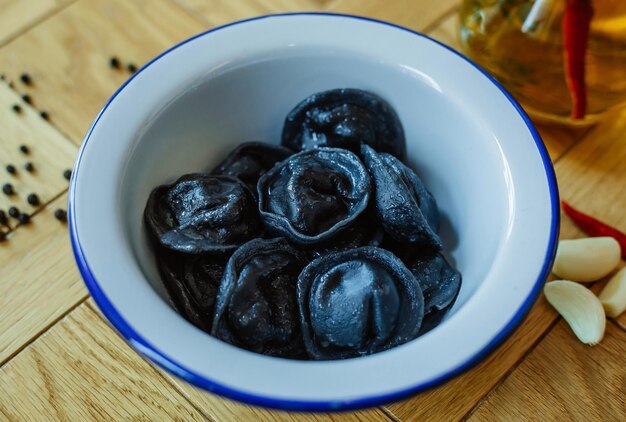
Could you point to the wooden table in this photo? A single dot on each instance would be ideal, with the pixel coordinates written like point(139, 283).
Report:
point(59, 359)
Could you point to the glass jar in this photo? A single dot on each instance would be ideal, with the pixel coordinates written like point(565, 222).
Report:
point(520, 42)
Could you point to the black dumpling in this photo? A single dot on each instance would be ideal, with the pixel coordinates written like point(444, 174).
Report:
point(364, 231)
point(440, 283)
point(202, 213)
point(405, 208)
point(313, 195)
point(250, 160)
point(192, 283)
point(358, 302)
point(256, 306)
point(344, 118)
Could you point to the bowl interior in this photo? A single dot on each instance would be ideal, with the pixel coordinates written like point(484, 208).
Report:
point(249, 99)
point(187, 109)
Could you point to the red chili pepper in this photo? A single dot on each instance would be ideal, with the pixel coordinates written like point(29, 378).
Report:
point(594, 227)
point(576, 24)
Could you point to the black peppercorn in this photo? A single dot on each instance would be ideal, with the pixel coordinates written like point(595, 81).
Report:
point(29, 167)
point(33, 199)
point(114, 62)
point(25, 78)
point(7, 189)
point(3, 218)
point(17, 108)
point(2, 77)
point(3, 236)
point(23, 218)
point(131, 68)
point(11, 169)
point(27, 99)
point(67, 174)
point(14, 212)
point(60, 215)
point(24, 149)
point(44, 115)
point(11, 85)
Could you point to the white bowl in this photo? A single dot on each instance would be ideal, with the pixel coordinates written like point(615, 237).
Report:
point(471, 142)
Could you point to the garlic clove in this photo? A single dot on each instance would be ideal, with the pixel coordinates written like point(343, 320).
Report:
point(587, 259)
point(579, 307)
point(613, 296)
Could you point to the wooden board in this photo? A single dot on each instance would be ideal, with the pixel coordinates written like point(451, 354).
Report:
point(18, 15)
point(49, 151)
point(417, 15)
point(219, 12)
point(82, 371)
point(73, 385)
point(564, 380)
point(39, 281)
point(68, 54)
point(220, 409)
point(59, 359)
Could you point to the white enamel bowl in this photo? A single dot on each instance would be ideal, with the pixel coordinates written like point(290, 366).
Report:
point(472, 144)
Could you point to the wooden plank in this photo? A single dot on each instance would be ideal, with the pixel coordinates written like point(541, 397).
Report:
point(81, 370)
point(17, 15)
point(592, 176)
point(221, 409)
point(39, 281)
point(227, 410)
point(68, 54)
point(563, 379)
point(415, 14)
point(325, 3)
point(219, 12)
point(50, 152)
point(447, 31)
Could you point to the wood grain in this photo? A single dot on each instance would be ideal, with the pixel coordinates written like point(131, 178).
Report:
point(219, 12)
point(82, 371)
point(17, 15)
point(563, 379)
point(592, 177)
point(50, 152)
point(417, 15)
point(221, 409)
point(39, 281)
point(68, 54)
point(447, 31)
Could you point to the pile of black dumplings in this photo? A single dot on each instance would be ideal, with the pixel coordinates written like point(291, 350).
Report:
point(325, 247)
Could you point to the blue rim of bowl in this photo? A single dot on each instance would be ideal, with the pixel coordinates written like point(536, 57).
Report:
point(146, 349)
